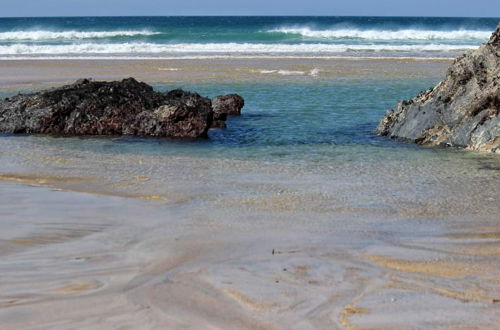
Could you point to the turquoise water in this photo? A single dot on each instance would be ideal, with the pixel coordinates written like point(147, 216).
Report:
point(304, 121)
point(241, 36)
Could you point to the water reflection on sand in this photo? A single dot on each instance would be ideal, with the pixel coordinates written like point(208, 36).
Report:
point(151, 240)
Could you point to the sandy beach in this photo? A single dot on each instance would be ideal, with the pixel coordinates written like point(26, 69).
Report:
point(111, 233)
point(29, 74)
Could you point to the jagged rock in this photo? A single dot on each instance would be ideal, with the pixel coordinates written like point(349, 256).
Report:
point(126, 107)
point(463, 110)
point(226, 105)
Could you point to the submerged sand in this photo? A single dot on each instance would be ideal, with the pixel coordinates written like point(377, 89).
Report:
point(95, 239)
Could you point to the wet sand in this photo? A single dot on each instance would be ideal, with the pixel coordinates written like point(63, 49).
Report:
point(29, 74)
point(95, 238)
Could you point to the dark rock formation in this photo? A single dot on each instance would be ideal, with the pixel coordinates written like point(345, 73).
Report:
point(463, 110)
point(126, 107)
point(226, 105)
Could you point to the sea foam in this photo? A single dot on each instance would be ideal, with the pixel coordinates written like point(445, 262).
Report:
point(314, 72)
point(217, 48)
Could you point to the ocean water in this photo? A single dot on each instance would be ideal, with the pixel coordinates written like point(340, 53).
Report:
point(241, 36)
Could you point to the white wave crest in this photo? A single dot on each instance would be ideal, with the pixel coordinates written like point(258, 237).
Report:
point(217, 48)
point(406, 34)
point(314, 72)
point(283, 72)
point(41, 35)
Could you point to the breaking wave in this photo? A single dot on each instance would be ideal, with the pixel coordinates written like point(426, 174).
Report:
point(42, 35)
point(387, 35)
